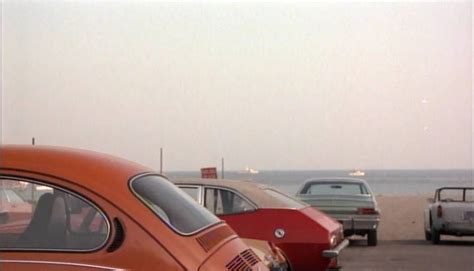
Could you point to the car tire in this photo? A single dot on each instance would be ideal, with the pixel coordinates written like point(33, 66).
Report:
point(427, 236)
point(435, 236)
point(372, 238)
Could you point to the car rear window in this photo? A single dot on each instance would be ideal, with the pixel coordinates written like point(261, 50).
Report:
point(336, 189)
point(12, 197)
point(284, 199)
point(172, 205)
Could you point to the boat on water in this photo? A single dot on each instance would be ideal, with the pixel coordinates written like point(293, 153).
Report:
point(357, 173)
point(249, 170)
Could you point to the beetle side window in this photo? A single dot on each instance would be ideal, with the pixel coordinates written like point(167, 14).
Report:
point(171, 204)
point(222, 202)
point(38, 217)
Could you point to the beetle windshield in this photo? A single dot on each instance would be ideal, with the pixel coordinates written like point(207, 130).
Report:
point(171, 204)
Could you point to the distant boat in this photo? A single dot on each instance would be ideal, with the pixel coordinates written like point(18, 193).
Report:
point(249, 170)
point(357, 173)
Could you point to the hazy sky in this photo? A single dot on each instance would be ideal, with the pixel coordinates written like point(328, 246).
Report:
point(271, 86)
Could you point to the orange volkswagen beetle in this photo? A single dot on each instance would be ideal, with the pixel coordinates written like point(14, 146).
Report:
point(90, 211)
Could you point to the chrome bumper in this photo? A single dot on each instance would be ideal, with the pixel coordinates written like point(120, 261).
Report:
point(458, 228)
point(333, 253)
point(359, 223)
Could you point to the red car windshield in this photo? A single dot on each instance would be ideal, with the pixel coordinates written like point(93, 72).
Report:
point(172, 205)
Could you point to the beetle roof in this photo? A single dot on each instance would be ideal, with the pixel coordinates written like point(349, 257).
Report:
point(251, 190)
point(92, 169)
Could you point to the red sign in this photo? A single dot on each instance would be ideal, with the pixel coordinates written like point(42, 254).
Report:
point(209, 173)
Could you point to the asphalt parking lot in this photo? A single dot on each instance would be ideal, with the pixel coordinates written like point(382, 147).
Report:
point(416, 255)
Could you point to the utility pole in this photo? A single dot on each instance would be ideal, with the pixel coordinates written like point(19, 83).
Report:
point(161, 160)
point(222, 167)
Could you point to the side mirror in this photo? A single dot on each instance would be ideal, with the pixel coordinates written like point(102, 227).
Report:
point(430, 200)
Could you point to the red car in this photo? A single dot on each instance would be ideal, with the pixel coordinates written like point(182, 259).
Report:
point(309, 239)
point(90, 211)
point(14, 210)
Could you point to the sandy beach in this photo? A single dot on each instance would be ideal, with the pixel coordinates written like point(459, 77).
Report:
point(402, 244)
point(402, 217)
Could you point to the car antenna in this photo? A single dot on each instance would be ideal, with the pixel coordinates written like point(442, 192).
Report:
point(161, 160)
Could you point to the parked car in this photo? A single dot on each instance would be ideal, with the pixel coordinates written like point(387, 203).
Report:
point(13, 209)
point(451, 212)
point(309, 239)
point(105, 213)
point(348, 200)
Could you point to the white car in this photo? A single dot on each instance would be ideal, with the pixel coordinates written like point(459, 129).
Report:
point(451, 212)
point(348, 200)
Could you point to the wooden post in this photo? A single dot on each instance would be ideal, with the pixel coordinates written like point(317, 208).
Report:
point(222, 167)
point(161, 160)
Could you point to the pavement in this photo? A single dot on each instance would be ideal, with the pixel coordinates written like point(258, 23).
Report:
point(452, 254)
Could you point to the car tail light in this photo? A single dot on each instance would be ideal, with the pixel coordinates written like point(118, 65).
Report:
point(367, 211)
point(278, 254)
point(333, 264)
point(273, 247)
point(440, 211)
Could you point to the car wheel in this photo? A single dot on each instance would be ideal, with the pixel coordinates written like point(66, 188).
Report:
point(435, 236)
point(427, 236)
point(372, 238)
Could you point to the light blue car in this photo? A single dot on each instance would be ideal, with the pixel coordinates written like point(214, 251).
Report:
point(348, 200)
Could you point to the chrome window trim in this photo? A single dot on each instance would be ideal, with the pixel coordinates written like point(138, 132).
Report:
point(67, 191)
point(143, 201)
point(62, 263)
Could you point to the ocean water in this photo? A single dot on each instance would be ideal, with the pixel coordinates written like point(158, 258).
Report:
point(382, 182)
